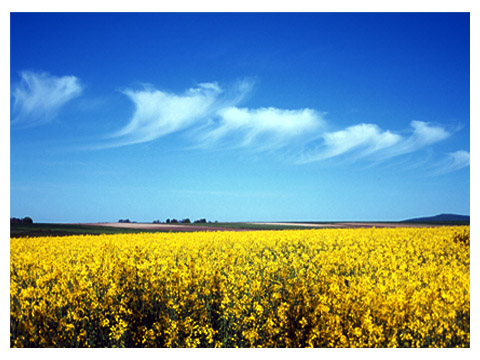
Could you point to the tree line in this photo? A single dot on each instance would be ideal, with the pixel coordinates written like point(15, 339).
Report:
point(25, 220)
point(170, 221)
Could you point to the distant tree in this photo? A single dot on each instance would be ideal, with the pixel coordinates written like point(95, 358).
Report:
point(174, 221)
point(124, 221)
point(168, 221)
point(199, 221)
point(186, 221)
point(25, 220)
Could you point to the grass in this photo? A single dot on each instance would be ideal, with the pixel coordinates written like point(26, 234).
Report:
point(52, 229)
point(39, 229)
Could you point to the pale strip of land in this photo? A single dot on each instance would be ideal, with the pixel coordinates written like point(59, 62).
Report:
point(164, 227)
point(346, 224)
point(242, 227)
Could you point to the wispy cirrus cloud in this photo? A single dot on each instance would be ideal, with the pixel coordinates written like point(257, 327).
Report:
point(38, 96)
point(159, 113)
point(423, 134)
point(368, 140)
point(452, 162)
point(363, 139)
point(209, 116)
point(264, 128)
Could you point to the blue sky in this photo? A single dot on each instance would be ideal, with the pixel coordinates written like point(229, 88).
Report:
point(239, 117)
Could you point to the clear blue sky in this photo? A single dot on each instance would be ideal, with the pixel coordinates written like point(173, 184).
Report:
point(239, 117)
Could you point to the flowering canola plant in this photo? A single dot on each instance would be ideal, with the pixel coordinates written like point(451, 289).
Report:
point(403, 287)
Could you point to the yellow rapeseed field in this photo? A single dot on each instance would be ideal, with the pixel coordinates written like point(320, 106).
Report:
point(404, 287)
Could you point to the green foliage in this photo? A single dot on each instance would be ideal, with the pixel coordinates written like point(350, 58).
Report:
point(25, 220)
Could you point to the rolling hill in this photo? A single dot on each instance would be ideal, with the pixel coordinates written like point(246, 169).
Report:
point(442, 218)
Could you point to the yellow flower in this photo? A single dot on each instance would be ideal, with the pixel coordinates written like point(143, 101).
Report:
point(329, 287)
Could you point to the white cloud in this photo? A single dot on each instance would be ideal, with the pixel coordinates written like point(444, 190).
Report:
point(368, 140)
point(210, 116)
point(159, 113)
point(264, 128)
point(423, 135)
point(365, 139)
point(39, 96)
point(453, 162)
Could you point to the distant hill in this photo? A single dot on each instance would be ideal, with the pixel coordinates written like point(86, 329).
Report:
point(442, 218)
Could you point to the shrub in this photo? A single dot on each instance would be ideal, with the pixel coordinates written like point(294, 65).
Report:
point(25, 220)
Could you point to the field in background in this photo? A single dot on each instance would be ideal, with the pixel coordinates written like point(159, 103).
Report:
point(402, 287)
point(52, 229)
